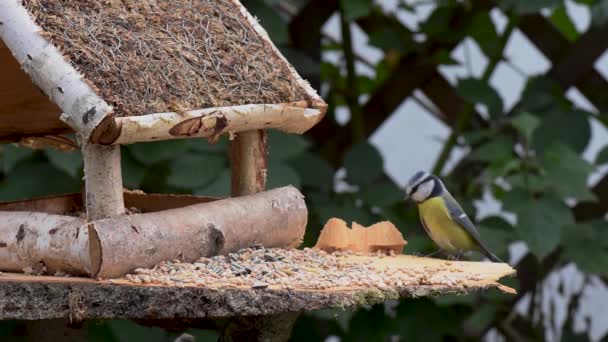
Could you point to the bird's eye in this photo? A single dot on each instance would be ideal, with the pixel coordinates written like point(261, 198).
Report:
point(414, 189)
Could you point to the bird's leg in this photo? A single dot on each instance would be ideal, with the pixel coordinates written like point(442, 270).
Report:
point(457, 256)
point(434, 253)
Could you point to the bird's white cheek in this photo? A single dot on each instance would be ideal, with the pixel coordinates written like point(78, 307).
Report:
point(418, 197)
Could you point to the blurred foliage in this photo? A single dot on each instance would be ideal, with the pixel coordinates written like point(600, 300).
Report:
point(528, 158)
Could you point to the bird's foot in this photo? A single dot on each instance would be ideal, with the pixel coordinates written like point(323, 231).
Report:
point(456, 256)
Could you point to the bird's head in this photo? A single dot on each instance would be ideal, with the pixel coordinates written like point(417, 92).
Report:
point(423, 186)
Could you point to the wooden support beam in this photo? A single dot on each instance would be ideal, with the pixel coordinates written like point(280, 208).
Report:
point(103, 181)
point(249, 162)
point(556, 48)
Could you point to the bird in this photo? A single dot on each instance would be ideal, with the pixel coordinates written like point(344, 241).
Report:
point(443, 218)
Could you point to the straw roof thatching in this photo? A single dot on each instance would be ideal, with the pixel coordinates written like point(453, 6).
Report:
point(150, 56)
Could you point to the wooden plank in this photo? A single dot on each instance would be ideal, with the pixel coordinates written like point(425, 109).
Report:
point(41, 297)
point(24, 109)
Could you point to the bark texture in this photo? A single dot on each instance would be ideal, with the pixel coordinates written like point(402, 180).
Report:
point(275, 218)
point(114, 246)
point(42, 242)
point(249, 162)
point(103, 181)
point(35, 297)
point(208, 123)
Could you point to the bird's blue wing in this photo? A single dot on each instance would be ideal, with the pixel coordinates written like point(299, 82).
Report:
point(460, 217)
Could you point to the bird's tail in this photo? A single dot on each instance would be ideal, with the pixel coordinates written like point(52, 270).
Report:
point(490, 255)
point(494, 258)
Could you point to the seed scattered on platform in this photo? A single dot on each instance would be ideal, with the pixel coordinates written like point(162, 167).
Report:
point(257, 267)
point(259, 285)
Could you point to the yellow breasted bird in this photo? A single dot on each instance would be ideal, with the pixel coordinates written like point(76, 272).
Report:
point(442, 217)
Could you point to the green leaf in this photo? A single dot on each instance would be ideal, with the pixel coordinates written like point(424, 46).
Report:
point(540, 95)
point(500, 168)
point(443, 57)
point(132, 171)
point(281, 174)
point(283, 146)
point(269, 19)
point(426, 321)
point(587, 245)
point(478, 91)
point(564, 24)
point(528, 6)
point(567, 173)
point(435, 26)
point(500, 148)
point(539, 220)
point(602, 156)
point(345, 208)
point(202, 145)
point(496, 234)
point(129, 331)
point(570, 128)
point(599, 13)
point(363, 164)
point(482, 30)
point(69, 162)
point(525, 123)
point(354, 9)
point(33, 178)
point(477, 136)
point(313, 171)
point(189, 171)
point(149, 153)
point(387, 39)
point(481, 318)
point(220, 187)
point(12, 155)
point(381, 194)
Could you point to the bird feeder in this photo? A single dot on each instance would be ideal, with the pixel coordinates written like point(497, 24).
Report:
point(116, 73)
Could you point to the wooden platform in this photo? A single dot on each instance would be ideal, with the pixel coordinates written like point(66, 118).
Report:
point(44, 297)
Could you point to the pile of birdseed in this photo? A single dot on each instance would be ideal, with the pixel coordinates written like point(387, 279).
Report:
point(258, 267)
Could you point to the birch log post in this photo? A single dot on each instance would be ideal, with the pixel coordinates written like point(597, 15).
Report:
point(275, 218)
point(103, 181)
point(43, 242)
point(248, 162)
point(120, 244)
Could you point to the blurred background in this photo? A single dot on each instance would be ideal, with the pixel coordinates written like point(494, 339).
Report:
point(506, 100)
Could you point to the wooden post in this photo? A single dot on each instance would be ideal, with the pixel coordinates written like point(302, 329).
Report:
point(103, 181)
point(248, 161)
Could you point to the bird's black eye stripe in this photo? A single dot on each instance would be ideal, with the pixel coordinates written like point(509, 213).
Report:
point(420, 183)
point(414, 189)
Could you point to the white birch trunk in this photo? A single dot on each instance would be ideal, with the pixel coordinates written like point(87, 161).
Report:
point(45, 64)
point(103, 181)
point(212, 122)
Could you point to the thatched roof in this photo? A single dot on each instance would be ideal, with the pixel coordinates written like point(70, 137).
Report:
point(155, 56)
point(141, 57)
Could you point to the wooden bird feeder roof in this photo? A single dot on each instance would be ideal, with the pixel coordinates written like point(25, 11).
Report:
point(119, 72)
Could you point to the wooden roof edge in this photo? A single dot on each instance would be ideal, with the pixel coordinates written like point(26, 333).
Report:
point(314, 97)
point(294, 117)
point(48, 69)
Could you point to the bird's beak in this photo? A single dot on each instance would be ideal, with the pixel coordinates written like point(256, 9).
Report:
point(406, 196)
